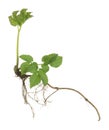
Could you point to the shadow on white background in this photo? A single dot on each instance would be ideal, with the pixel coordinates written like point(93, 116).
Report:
point(77, 30)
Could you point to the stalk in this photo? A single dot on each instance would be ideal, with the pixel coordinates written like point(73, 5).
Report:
point(17, 47)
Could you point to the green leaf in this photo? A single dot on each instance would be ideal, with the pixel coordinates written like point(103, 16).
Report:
point(20, 20)
point(47, 59)
point(34, 80)
point(57, 62)
point(14, 13)
point(45, 68)
point(19, 17)
point(43, 77)
point(27, 58)
point(13, 22)
point(24, 67)
point(25, 14)
point(32, 67)
point(53, 59)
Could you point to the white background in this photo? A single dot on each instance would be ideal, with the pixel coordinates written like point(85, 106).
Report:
point(79, 31)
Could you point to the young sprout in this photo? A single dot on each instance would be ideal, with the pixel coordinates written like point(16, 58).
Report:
point(18, 18)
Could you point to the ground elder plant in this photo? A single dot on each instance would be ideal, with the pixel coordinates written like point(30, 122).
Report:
point(36, 73)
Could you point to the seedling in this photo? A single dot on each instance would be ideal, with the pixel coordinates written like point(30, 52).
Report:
point(35, 72)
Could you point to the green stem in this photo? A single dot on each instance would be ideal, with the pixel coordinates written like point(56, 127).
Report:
point(17, 47)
